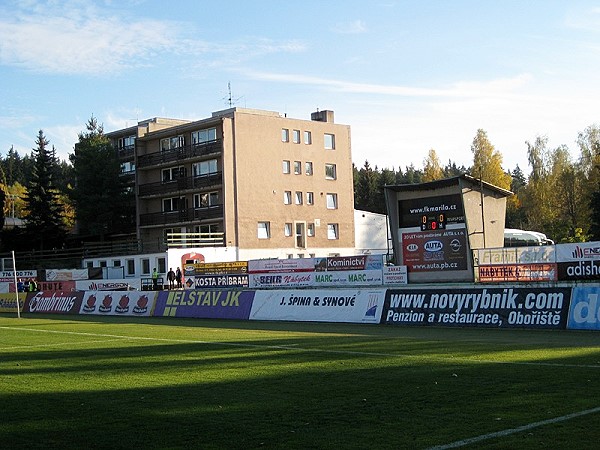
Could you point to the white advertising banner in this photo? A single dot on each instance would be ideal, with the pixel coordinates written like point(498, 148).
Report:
point(118, 303)
point(66, 274)
point(582, 251)
point(286, 265)
point(544, 254)
point(9, 275)
point(349, 278)
point(262, 280)
point(319, 305)
point(123, 284)
point(395, 275)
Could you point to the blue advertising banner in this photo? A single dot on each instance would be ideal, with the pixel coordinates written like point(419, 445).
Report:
point(585, 308)
point(209, 304)
point(479, 307)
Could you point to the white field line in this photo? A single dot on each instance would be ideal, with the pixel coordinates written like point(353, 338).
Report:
point(294, 347)
point(58, 344)
point(510, 431)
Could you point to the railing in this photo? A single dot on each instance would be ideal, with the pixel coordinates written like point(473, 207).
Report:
point(184, 215)
point(181, 184)
point(180, 153)
point(191, 240)
point(71, 257)
point(126, 152)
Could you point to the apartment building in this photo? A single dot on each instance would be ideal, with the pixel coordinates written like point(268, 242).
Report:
point(253, 183)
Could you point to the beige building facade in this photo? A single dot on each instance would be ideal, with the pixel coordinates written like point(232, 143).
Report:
point(246, 183)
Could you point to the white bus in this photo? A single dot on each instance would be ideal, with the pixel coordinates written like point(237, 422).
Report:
point(523, 238)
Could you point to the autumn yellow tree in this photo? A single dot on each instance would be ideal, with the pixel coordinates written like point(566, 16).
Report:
point(487, 162)
point(432, 169)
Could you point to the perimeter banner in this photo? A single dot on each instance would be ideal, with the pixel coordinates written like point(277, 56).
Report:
point(317, 305)
point(53, 302)
point(579, 261)
point(585, 308)
point(117, 303)
point(209, 304)
point(479, 307)
point(8, 302)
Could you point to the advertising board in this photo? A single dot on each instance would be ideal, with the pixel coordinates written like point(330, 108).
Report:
point(584, 313)
point(53, 302)
point(517, 272)
point(319, 305)
point(433, 251)
point(479, 307)
point(205, 304)
point(208, 281)
point(579, 261)
point(8, 302)
point(395, 275)
point(118, 303)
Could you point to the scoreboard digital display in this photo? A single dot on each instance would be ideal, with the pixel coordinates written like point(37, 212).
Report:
point(433, 222)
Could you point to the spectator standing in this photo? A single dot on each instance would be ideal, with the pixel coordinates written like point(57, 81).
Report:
point(178, 278)
point(171, 278)
point(155, 280)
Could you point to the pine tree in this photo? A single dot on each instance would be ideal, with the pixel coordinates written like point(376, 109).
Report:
point(101, 203)
point(44, 222)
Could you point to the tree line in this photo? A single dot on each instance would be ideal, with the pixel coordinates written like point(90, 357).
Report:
point(559, 197)
point(85, 199)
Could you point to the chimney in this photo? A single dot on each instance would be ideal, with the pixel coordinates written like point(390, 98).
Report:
point(322, 116)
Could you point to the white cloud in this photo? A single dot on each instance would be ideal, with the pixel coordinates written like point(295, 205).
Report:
point(354, 27)
point(498, 87)
point(65, 41)
point(78, 38)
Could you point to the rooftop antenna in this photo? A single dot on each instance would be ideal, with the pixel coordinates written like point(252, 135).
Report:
point(230, 100)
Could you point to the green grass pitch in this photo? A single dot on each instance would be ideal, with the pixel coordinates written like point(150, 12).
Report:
point(108, 382)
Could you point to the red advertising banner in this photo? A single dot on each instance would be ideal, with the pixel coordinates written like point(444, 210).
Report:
point(517, 272)
point(53, 302)
point(433, 251)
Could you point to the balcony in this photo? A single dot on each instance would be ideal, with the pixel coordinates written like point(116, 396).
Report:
point(182, 216)
point(180, 153)
point(180, 184)
point(126, 152)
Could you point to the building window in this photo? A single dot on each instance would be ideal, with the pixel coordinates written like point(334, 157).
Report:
point(117, 263)
point(206, 199)
point(310, 230)
point(296, 136)
point(330, 172)
point(204, 168)
point(332, 231)
point(127, 167)
point(171, 143)
point(102, 263)
point(285, 135)
point(287, 197)
point(297, 167)
point(145, 266)
point(310, 198)
point(174, 204)
point(202, 136)
point(287, 229)
point(298, 198)
point(300, 235)
point(264, 230)
point(173, 173)
point(329, 141)
point(126, 142)
point(286, 167)
point(332, 201)
point(308, 168)
point(162, 265)
point(130, 267)
point(307, 137)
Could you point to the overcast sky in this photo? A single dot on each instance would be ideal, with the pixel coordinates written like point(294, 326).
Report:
point(407, 76)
